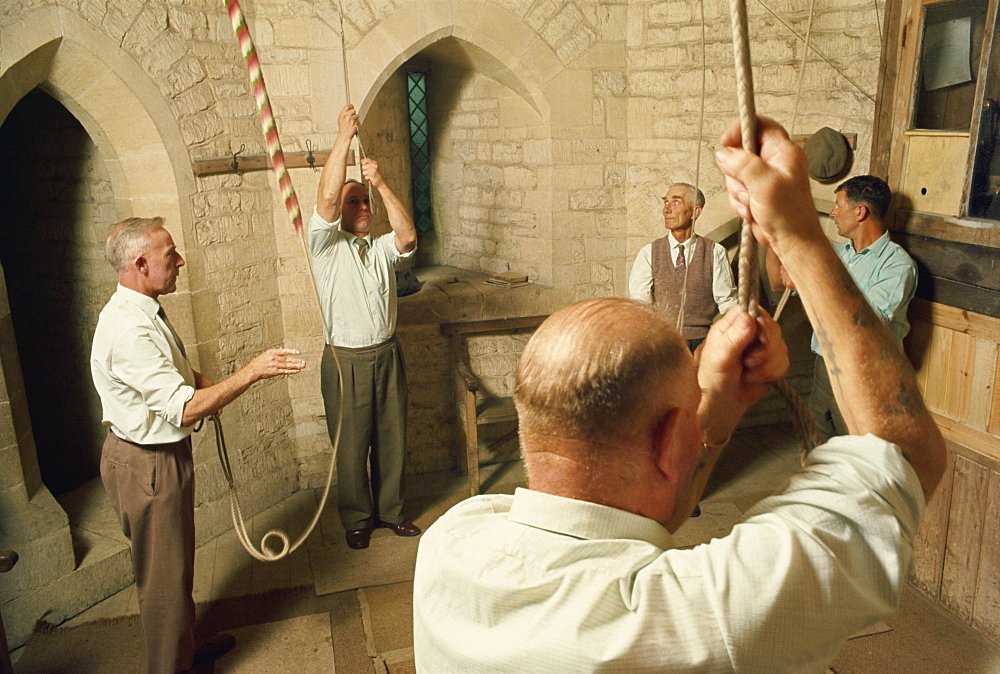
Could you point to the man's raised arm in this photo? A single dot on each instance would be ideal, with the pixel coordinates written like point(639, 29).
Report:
point(399, 218)
point(331, 180)
point(872, 380)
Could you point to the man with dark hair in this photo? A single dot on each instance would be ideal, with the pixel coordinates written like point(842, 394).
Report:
point(684, 276)
point(356, 281)
point(620, 428)
point(151, 398)
point(884, 272)
point(868, 190)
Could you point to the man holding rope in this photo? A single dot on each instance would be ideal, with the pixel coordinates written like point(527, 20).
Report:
point(356, 281)
point(620, 428)
point(152, 397)
point(684, 272)
point(884, 272)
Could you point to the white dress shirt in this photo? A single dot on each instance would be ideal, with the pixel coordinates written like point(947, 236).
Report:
point(358, 298)
point(640, 281)
point(139, 371)
point(537, 582)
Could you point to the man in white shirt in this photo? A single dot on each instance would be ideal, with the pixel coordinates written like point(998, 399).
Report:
point(684, 276)
point(151, 398)
point(619, 431)
point(356, 281)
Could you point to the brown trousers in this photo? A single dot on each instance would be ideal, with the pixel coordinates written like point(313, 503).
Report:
point(375, 399)
point(151, 488)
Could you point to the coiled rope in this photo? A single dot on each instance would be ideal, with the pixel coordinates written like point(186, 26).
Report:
point(749, 285)
point(273, 143)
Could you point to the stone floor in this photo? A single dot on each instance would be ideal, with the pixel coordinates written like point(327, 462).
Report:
point(369, 607)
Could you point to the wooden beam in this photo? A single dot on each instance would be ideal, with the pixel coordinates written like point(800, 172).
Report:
point(493, 325)
point(262, 162)
point(888, 76)
point(949, 228)
point(800, 139)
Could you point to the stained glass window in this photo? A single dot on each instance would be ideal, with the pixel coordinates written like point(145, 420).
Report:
point(420, 160)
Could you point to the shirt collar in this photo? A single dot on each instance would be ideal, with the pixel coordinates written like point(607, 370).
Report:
point(145, 303)
point(687, 244)
point(583, 519)
point(876, 247)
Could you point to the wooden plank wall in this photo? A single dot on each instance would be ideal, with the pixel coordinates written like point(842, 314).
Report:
point(957, 550)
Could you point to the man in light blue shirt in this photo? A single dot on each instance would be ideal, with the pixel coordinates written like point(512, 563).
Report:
point(883, 271)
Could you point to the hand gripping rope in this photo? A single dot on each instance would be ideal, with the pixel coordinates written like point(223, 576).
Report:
point(749, 285)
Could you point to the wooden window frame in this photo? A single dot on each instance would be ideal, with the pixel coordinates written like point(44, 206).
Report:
point(958, 279)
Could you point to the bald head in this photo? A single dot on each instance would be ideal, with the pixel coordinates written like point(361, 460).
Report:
point(593, 369)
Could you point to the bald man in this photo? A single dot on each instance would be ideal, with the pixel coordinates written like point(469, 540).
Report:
point(620, 428)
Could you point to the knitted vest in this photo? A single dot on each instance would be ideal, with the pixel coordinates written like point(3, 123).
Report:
point(668, 283)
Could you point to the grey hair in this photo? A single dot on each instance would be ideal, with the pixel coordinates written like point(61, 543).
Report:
point(129, 239)
point(695, 195)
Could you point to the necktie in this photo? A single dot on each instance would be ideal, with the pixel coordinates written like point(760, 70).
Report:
point(681, 263)
point(362, 248)
point(173, 333)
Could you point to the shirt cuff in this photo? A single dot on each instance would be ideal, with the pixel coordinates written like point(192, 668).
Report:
point(173, 414)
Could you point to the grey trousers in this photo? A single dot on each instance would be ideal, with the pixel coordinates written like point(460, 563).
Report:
point(374, 431)
point(822, 405)
point(151, 488)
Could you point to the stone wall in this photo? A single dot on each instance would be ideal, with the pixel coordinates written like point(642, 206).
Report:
point(555, 128)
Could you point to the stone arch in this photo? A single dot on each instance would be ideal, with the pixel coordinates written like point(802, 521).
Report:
point(129, 121)
point(504, 48)
point(513, 228)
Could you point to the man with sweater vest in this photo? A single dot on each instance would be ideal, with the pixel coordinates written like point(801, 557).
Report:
point(686, 277)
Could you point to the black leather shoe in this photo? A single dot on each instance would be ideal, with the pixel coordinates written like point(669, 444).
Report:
point(401, 529)
point(214, 647)
point(358, 538)
point(697, 511)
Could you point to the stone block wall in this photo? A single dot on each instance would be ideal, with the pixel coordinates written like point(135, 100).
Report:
point(555, 129)
point(489, 171)
point(670, 142)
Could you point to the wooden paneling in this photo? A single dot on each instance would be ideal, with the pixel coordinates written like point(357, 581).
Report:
point(965, 529)
point(959, 275)
point(948, 228)
point(984, 394)
point(935, 371)
point(959, 375)
point(888, 74)
point(973, 265)
point(982, 445)
point(993, 424)
point(929, 544)
point(934, 171)
point(984, 327)
point(986, 612)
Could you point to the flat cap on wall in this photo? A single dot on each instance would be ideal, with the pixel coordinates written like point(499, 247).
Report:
point(828, 153)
